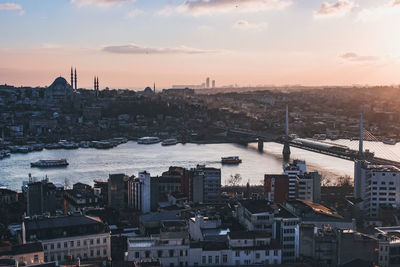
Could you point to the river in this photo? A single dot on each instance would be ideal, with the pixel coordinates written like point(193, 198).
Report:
point(88, 164)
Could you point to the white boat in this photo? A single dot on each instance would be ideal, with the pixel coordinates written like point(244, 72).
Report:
point(50, 163)
point(169, 142)
point(148, 140)
point(389, 141)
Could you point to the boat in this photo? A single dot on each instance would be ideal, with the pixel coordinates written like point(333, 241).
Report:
point(389, 141)
point(103, 144)
point(52, 146)
point(50, 163)
point(4, 154)
point(169, 142)
point(231, 160)
point(84, 144)
point(148, 140)
point(68, 145)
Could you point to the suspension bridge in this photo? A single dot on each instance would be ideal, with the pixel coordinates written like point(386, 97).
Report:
point(345, 149)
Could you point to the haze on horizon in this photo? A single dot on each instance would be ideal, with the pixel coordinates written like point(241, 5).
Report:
point(131, 44)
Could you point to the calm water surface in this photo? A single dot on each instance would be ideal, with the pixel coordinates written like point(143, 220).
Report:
point(85, 165)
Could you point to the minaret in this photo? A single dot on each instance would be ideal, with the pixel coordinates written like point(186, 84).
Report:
point(97, 83)
point(154, 87)
point(94, 86)
point(76, 81)
point(286, 145)
point(72, 78)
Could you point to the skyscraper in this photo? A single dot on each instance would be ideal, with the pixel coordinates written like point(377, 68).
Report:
point(213, 83)
point(208, 82)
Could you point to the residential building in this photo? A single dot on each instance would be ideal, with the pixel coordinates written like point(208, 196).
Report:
point(8, 196)
point(41, 198)
point(83, 237)
point(139, 191)
point(389, 246)
point(25, 254)
point(276, 188)
point(81, 198)
point(117, 191)
point(256, 215)
point(376, 185)
point(211, 183)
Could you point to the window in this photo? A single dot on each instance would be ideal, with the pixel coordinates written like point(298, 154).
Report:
point(52, 246)
point(247, 252)
point(59, 257)
point(78, 243)
point(58, 245)
point(209, 259)
point(257, 255)
point(65, 244)
point(159, 253)
point(84, 242)
point(171, 252)
point(36, 258)
point(104, 240)
point(147, 254)
point(91, 241)
point(181, 253)
point(137, 255)
point(203, 259)
point(71, 243)
point(224, 258)
point(45, 247)
point(98, 252)
point(237, 253)
point(275, 253)
point(217, 259)
point(98, 240)
point(91, 253)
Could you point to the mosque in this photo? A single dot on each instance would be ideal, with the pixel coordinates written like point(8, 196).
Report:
point(60, 90)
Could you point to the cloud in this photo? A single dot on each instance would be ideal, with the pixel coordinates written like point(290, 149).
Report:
point(208, 7)
point(337, 9)
point(245, 25)
point(350, 56)
point(100, 3)
point(386, 9)
point(10, 6)
point(134, 13)
point(136, 49)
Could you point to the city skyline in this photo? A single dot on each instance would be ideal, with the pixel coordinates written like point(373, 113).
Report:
point(131, 44)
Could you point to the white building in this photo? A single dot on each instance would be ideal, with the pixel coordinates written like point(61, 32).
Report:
point(171, 248)
point(81, 237)
point(376, 185)
point(199, 227)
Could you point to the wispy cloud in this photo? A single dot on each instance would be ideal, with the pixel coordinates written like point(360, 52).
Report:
point(351, 56)
point(136, 49)
point(100, 3)
point(134, 13)
point(209, 7)
point(388, 8)
point(10, 6)
point(336, 9)
point(245, 25)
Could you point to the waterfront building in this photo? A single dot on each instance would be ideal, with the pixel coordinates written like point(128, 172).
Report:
point(117, 191)
point(42, 197)
point(276, 187)
point(211, 183)
point(8, 196)
point(83, 237)
point(377, 186)
point(139, 192)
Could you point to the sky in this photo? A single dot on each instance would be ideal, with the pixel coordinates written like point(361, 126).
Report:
point(134, 43)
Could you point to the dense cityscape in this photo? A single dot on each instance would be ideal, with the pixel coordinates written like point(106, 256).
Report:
point(199, 133)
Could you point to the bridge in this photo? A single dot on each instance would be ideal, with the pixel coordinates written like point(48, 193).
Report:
point(327, 148)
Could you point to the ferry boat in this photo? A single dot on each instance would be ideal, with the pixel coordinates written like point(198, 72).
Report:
point(52, 146)
point(148, 140)
point(389, 141)
point(231, 160)
point(50, 163)
point(68, 145)
point(169, 142)
point(4, 154)
point(103, 144)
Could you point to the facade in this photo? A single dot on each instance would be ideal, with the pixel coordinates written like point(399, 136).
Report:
point(81, 198)
point(171, 248)
point(25, 254)
point(59, 91)
point(8, 196)
point(389, 246)
point(276, 188)
point(139, 193)
point(200, 225)
point(41, 198)
point(256, 215)
point(376, 185)
point(117, 191)
point(64, 237)
point(211, 183)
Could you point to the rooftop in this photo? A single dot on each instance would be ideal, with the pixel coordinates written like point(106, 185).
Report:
point(257, 206)
point(248, 234)
point(58, 222)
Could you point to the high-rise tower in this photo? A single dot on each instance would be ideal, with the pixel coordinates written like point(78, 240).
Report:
point(208, 82)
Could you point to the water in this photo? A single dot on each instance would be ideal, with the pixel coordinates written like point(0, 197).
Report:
point(130, 158)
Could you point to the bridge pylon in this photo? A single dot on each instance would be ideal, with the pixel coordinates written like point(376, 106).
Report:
point(260, 145)
point(286, 146)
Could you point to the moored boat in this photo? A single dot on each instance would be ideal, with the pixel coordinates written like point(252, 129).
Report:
point(389, 141)
point(50, 163)
point(231, 160)
point(148, 140)
point(169, 142)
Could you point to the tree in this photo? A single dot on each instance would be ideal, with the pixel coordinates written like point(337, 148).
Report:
point(67, 184)
point(234, 180)
point(344, 181)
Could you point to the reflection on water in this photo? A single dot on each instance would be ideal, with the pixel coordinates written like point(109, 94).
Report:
point(130, 158)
